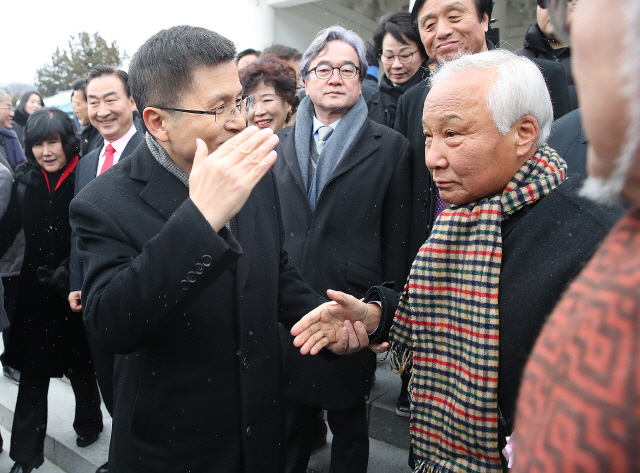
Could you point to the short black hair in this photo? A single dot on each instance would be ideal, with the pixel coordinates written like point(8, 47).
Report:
point(25, 98)
point(482, 7)
point(161, 71)
point(283, 52)
point(103, 70)
point(247, 52)
point(79, 84)
point(398, 25)
point(46, 123)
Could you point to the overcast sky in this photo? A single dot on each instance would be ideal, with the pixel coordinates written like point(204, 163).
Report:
point(33, 29)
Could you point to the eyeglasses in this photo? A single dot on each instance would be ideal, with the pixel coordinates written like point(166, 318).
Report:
point(8, 108)
point(404, 57)
point(346, 71)
point(224, 113)
point(558, 14)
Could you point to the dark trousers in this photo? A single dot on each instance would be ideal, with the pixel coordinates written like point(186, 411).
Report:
point(30, 418)
point(350, 444)
point(103, 361)
point(10, 284)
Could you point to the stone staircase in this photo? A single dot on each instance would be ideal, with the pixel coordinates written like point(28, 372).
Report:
point(389, 433)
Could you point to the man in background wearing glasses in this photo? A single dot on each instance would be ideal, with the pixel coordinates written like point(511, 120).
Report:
point(185, 272)
point(344, 187)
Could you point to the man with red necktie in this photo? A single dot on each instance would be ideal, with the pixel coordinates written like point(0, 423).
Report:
point(111, 110)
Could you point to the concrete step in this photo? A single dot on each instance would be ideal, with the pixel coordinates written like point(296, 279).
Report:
point(6, 463)
point(384, 423)
point(60, 443)
point(389, 433)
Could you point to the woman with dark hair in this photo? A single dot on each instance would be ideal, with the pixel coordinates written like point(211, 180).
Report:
point(47, 339)
point(404, 60)
point(29, 103)
point(273, 83)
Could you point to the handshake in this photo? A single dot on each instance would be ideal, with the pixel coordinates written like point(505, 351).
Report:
point(342, 326)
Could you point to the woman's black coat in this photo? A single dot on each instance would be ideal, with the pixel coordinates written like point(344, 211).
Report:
point(47, 338)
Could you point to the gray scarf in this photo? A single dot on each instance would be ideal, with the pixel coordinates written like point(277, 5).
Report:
point(165, 161)
point(337, 146)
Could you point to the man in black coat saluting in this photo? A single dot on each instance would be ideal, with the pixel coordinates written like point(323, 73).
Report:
point(185, 272)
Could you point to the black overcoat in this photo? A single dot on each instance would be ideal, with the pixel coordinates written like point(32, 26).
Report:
point(356, 237)
point(47, 338)
point(193, 317)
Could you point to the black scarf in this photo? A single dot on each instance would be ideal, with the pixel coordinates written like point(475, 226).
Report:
point(390, 93)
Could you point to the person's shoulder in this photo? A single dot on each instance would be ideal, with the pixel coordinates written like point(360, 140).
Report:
point(578, 206)
point(417, 92)
point(388, 135)
point(120, 176)
point(569, 121)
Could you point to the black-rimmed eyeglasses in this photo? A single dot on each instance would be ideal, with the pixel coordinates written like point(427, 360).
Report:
point(346, 71)
point(224, 113)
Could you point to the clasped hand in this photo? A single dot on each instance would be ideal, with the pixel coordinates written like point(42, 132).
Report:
point(341, 326)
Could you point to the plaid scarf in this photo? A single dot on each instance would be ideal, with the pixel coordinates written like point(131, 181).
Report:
point(446, 327)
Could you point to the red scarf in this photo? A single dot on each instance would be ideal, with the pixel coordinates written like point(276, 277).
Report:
point(70, 167)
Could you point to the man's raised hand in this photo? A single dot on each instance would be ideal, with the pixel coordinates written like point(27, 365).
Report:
point(220, 182)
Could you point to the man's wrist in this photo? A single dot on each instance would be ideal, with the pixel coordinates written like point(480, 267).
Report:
point(372, 317)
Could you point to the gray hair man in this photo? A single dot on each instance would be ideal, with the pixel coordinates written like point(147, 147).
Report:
point(582, 377)
point(479, 290)
point(344, 187)
point(185, 272)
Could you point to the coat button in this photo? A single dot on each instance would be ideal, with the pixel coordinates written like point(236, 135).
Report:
point(206, 260)
point(245, 363)
point(199, 268)
point(425, 203)
point(191, 276)
point(248, 432)
point(184, 284)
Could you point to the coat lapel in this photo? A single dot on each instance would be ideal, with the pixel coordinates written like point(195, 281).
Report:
point(363, 146)
point(291, 159)
point(133, 143)
point(164, 192)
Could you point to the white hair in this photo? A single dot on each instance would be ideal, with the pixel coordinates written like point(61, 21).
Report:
point(518, 88)
point(608, 190)
point(3, 92)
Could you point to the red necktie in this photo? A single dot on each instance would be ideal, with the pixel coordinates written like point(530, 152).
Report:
point(108, 158)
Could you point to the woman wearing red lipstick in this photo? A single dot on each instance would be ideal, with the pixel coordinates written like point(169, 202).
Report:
point(273, 84)
point(404, 60)
point(47, 339)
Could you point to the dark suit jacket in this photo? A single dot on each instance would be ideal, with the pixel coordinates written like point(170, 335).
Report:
point(409, 123)
point(569, 140)
point(194, 316)
point(86, 171)
point(356, 237)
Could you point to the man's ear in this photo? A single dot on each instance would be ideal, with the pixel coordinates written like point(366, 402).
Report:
point(485, 22)
point(527, 132)
point(155, 121)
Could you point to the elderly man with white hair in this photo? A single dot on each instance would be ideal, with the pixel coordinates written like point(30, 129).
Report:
point(494, 266)
point(579, 408)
